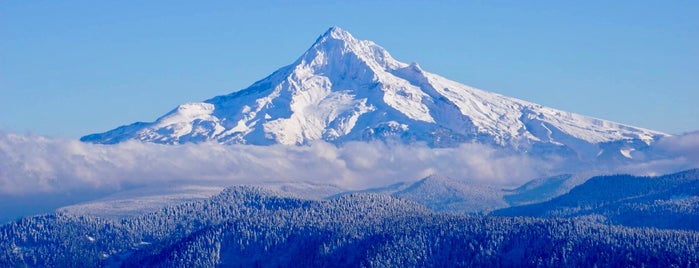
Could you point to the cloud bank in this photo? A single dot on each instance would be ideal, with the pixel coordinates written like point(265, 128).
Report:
point(33, 164)
point(686, 146)
point(670, 154)
point(39, 174)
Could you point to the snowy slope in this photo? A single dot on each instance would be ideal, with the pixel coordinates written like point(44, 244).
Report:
point(134, 202)
point(445, 194)
point(538, 190)
point(138, 201)
point(345, 89)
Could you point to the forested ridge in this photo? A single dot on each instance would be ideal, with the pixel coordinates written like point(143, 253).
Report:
point(668, 202)
point(250, 226)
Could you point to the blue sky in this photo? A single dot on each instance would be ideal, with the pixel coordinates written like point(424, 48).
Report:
point(69, 68)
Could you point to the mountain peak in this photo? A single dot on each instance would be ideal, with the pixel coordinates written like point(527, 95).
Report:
point(338, 49)
point(338, 33)
point(334, 36)
point(345, 89)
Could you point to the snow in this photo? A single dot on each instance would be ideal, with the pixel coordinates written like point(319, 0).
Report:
point(250, 226)
point(341, 87)
point(133, 202)
point(141, 200)
point(626, 152)
point(447, 194)
point(304, 190)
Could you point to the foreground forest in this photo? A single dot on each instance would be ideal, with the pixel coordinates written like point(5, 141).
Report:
point(250, 226)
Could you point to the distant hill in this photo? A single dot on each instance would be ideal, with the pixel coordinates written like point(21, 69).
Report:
point(668, 201)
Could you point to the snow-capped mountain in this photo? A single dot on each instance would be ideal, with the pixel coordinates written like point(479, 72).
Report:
point(345, 89)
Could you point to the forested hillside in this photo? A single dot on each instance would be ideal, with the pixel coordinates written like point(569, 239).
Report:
point(669, 201)
point(248, 226)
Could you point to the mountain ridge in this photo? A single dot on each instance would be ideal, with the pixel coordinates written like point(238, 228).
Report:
point(666, 201)
point(344, 89)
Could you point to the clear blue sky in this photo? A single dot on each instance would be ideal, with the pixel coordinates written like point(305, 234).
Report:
point(69, 68)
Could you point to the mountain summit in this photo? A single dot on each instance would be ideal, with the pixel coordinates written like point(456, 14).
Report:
point(344, 89)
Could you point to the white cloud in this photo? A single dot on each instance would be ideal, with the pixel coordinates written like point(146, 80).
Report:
point(31, 164)
point(686, 145)
point(38, 174)
point(668, 155)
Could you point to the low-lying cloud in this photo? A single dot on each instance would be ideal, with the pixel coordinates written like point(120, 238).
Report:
point(686, 145)
point(671, 154)
point(32, 164)
point(39, 174)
